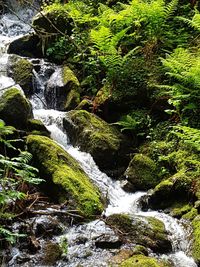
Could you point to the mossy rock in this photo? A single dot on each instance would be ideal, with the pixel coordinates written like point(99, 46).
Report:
point(64, 85)
point(65, 179)
point(142, 173)
point(21, 70)
point(28, 45)
point(146, 231)
point(196, 241)
point(85, 104)
point(52, 20)
point(34, 126)
point(52, 253)
point(15, 109)
point(143, 261)
point(170, 191)
point(104, 142)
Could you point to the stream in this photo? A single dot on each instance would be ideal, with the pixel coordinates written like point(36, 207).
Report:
point(119, 201)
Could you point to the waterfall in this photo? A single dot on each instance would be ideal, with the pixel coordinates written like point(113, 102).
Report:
point(119, 201)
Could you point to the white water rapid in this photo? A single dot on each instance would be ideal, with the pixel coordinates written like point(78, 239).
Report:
point(119, 200)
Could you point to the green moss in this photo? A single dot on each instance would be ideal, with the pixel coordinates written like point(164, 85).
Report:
point(103, 141)
point(196, 242)
point(143, 261)
point(59, 167)
point(145, 231)
point(22, 74)
point(191, 214)
point(37, 127)
point(52, 253)
point(73, 99)
point(15, 109)
point(180, 210)
point(142, 172)
point(69, 76)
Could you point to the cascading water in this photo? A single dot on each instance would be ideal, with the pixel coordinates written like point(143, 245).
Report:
point(119, 200)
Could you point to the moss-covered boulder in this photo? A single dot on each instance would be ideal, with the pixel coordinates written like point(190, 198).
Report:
point(28, 45)
point(142, 173)
point(21, 70)
point(53, 19)
point(63, 89)
point(65, 179)
point(15, 109)
point(104, 142)
point(143, 261)
point(146, 231)
point(196, 241)
point(37, 127)
point(169, 191)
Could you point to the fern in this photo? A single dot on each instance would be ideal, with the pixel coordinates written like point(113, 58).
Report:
point(170, 9)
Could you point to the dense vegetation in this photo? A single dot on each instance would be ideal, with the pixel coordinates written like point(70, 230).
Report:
point(136, 65)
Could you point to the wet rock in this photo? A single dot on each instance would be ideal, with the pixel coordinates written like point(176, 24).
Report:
point(26, 46)
point(168, 191)
point(47, 226)
point(104, 142)
point(37, 127)
point(65, 179)
point(52, 253)
point(63, 90)
point(108, 242)
point(15, 109)
point(141, 173)
point(146, 231)
point(21, 70)
point(85, 104)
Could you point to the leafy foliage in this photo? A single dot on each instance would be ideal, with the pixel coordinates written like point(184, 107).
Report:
point(182, 66)
point(14, 173)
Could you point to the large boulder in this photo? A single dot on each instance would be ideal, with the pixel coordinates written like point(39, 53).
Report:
point(175, 189)
point(104, 142)
point(62, 90)
point(65, 179)
point(21, 70)
point(15, 109)
point(29, 45)
point(146, 231)
point(142, 173)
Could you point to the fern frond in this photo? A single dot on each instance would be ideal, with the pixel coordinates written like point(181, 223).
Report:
point(170, 9)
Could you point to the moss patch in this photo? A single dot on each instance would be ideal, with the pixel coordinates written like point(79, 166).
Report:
point(21, 70)
point(15, 109)
point(143, 261)
point(58, 168)
point(103, 141)
point(142, 172)
point(145, 231)
point(196, 242)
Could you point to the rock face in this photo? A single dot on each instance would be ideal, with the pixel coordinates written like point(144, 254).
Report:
point(62, 91)
point(15, 109)
point(104, 142)
point(65, 180)
point(21, 70)
point(146, 231)
point(142, 173)
point(27, 46)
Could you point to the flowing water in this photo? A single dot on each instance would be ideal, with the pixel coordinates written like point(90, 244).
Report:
point(81, 239)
